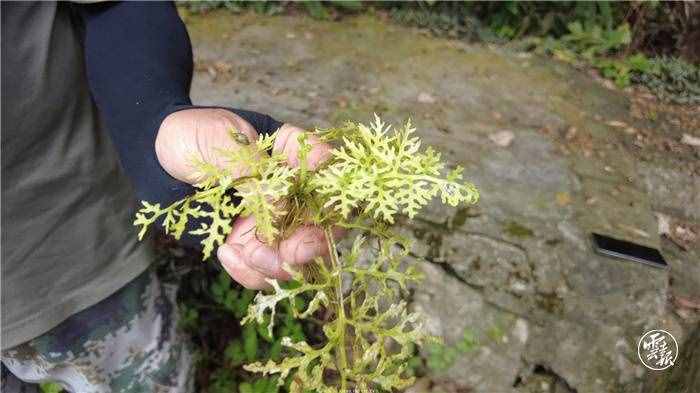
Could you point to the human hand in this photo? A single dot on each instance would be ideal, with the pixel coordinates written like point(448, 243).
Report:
point(198, 133)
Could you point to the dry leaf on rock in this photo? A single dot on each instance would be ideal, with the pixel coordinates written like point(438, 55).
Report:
point(502, 138)
point(686, 302)
point(563, 198)
point(617, 124)
point(425, 98)
point(686, 233)
point(690, 140)
point(223, 67)
point(664, 222)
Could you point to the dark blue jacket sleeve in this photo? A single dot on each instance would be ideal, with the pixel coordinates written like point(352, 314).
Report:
point(139, 67)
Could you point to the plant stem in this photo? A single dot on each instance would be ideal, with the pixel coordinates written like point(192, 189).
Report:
point(341, 319)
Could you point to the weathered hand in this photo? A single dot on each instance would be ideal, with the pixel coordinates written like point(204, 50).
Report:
point(197, 133)
point(248, 260)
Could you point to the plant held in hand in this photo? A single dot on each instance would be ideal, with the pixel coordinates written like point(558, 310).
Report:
point(375, 173)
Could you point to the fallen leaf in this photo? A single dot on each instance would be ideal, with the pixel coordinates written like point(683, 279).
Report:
point(664, 222)
point(502, 138)
point(684, 313)
point(686, 234)
point(686, 302)
point(223, 67)
point(617, 124)
point(690, 140)
point(212, 71)
point(608, 84)
point(563, 198)
point(425, 98)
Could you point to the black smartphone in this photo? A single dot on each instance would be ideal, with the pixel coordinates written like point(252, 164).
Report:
point(609, 246)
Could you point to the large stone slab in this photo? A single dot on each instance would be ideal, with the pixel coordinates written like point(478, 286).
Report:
point(518, 269)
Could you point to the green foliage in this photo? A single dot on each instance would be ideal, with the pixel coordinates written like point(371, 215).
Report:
point(442, 23)
point(268, 180)
point(622, 70)
point(211, 306)
point(222, 381)
point(368, 334)
point(314, 8)
point(441, 357)
point(507, 20)
point(595, 33)
point(673, 80)
point(262, 385)
point(617, 38)
point(587, 44)
point(516, 19)
point(189, 317)
point(591, 40)
point(261, 7)
point(50, 387)
point(386, 174)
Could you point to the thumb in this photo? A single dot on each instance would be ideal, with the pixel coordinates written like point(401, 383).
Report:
point(198, 135)
point(286, 142)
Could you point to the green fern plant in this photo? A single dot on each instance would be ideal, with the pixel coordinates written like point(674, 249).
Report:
point(375, 173)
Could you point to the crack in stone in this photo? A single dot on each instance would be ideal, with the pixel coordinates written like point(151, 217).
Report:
point(540, 369)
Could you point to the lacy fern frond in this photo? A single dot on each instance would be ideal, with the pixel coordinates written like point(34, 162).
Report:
point(375, 173)
point(264, 303)
point(268, 180)
point(383, 172)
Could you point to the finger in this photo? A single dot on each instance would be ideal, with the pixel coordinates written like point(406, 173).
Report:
point(287, 143)
point(242, 230)
point(264, 259)
point(306, 243)
point(256, 254)
point(320, 152)
point(231, 259)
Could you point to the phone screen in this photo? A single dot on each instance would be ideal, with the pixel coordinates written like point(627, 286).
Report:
point(627, 250)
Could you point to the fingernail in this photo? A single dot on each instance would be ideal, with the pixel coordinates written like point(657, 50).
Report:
point(226, 254)
point(265, 260)
point(307, 249)
point(231, 253)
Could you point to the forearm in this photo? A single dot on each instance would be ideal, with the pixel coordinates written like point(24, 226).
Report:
point(139, 65)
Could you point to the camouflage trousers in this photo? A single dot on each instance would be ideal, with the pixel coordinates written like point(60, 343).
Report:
point(128, 342)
